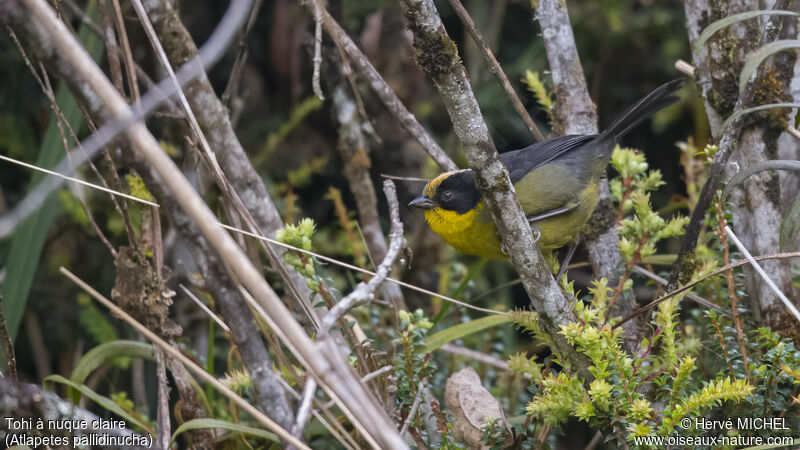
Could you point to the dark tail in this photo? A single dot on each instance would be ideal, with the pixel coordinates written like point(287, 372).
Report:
point(663, 96)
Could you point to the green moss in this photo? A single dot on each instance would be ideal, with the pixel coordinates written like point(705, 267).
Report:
point(436, 54)
point(773, 189)
point(686, 270)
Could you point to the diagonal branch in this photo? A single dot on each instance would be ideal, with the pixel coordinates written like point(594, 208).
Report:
point(328, 367)
point(365, 292)
point(382, 89)
point(496, 69)
point(441, 62)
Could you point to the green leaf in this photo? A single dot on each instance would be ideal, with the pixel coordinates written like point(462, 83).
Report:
point(777, 164)
point(28, 239)
point(722, 23)
point(103, 352)
point(742, 112)
point(757, 57)
point(101, 400)
point(202, 424)
point(437, 340)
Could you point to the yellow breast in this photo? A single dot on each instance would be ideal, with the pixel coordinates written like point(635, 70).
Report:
point(468, 233)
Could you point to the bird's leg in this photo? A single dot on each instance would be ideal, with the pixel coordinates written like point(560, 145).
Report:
point(571, 251)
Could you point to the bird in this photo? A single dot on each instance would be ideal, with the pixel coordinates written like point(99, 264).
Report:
point(556, 182)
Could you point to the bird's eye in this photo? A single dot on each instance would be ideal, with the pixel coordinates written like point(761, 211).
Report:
point(447, 196)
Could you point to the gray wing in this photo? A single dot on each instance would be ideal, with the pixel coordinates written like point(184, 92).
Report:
point(523, 161)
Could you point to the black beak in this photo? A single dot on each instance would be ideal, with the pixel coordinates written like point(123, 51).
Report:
point(422, 202)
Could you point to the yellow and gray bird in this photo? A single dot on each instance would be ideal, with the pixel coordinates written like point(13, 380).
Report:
point(555, 180)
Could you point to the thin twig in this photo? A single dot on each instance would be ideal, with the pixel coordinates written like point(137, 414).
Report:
point(396, 177)
point(304, 411)
point(205, 308)
point(663, 282)
point(365, 292)
point(688, 286)
point(377, 373)
point(79, 181)
point(130, 63)
point(384, 92)
point(315, 82)
point(232, 87)
point(496, 69)
point(188, 363)
point(414, 408)
point(767, 279)
point(476, 355)
point(163, 426)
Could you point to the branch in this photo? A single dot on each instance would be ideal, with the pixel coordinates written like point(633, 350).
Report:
point(365, 292)
point(706, 68)
point(55, 41)
point(229, 164)
point(496, 69)
point(575, 113)
point(383, 91)
point(354, 148)
point(491, 176)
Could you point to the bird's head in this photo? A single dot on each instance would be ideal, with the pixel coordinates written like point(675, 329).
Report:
point(451, 191)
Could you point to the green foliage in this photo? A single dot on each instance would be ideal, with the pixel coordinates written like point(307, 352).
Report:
point(412, 362)
point(300, 236)
point(537, 88)
point(137, 188)
point(616, 399)
point(94, 322)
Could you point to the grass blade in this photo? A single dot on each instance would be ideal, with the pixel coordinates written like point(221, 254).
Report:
point(757, 57)
point(722, 23)
point(101, 400)
point(437, 340)
point(202, 424)
point(103, 352)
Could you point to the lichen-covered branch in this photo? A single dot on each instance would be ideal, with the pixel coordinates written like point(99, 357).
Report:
point(756, 206)
point(438, 56)
point(354, 148)
point(216, 126)
point(575, 113)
